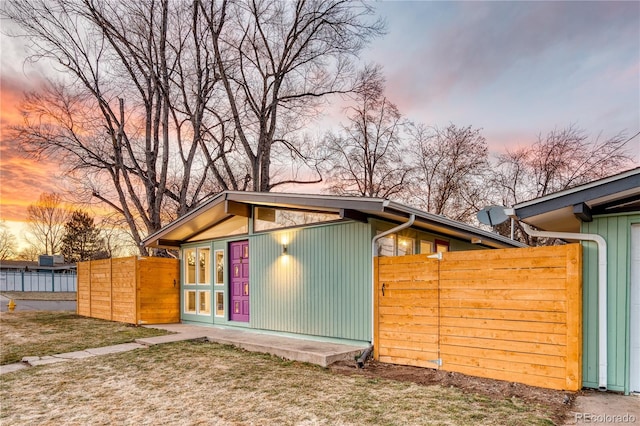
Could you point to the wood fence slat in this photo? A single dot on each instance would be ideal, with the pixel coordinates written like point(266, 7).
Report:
point(510, 315)
point(513, 274)
point(492, 294)
point(516, 336)
point(573, 373)
point(502, 304)
point(504, 283)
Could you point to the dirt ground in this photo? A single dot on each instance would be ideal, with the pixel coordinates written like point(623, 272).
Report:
point(558, 402)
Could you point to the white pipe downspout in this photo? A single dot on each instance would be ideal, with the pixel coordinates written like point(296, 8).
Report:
point(602, 291)
point(374, 253)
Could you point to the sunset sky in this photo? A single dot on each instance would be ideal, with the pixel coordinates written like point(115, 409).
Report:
point(513, 69)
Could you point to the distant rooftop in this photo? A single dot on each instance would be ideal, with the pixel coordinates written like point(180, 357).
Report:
point(22, 265)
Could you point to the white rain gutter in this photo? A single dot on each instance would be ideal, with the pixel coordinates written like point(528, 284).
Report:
point(602, 291)
point(374, 253)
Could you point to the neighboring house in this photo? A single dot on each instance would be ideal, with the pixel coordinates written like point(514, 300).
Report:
point(29, 266)
point(302, 264)
point(45, 275)
point(609, 208)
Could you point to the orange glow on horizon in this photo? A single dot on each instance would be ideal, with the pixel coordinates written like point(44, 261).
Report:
point(22, 179)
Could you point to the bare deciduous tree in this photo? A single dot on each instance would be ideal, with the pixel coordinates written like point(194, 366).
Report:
point(366, 155)
point(30, 254)
point(45, 223)
point(8, 242)
point(449, 169)
point(277, 60)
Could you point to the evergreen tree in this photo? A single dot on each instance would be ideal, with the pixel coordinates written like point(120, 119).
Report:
point(82, 240)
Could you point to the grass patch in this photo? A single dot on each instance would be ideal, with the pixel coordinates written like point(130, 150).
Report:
point(205, 383)
point(40, 295)
point(38, 333)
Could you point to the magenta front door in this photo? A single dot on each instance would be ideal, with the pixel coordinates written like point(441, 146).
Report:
point(239, 299)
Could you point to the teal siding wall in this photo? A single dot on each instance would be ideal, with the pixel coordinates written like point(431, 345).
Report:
point(321, 287)
point(616, 230)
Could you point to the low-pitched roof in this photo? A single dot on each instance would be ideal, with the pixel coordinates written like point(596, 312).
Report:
point(26, 264)
point(237, 203)
point(564, 211)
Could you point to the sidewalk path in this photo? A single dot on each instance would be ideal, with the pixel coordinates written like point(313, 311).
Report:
point(143, 343)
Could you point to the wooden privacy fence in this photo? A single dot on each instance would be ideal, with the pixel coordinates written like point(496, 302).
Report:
point(136, 290)
point(512, 314)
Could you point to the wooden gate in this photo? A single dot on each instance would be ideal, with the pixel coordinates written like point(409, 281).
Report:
point(512, 314)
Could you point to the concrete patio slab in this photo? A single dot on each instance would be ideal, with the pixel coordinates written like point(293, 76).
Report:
point(291, 348)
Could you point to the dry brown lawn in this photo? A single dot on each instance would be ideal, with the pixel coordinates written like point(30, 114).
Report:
point(38, 333)
point(200, 383)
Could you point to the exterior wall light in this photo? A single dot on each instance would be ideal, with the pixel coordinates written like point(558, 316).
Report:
point(284, 249)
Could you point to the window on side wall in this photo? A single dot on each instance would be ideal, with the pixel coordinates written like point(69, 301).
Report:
point(442, 246)
point(269, 218)
point(386, 245)
point(426, 247)
point(406, 246)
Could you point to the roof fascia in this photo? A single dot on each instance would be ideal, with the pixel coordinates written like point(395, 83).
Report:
point(306, 200)
point(577, 195)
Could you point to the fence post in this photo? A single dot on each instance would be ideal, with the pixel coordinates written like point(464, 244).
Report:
point(22, 280)
point(53, 282)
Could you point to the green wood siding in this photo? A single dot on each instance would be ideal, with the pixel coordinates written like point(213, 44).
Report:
point(616, 230)
point(321, 287)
